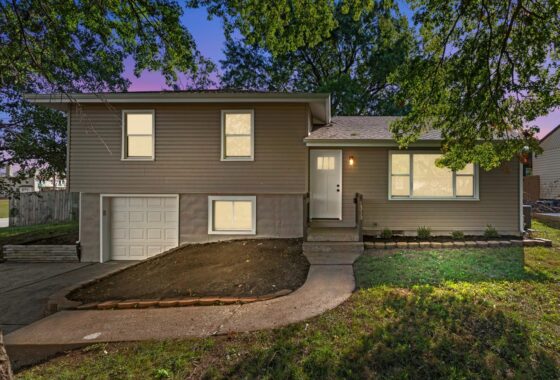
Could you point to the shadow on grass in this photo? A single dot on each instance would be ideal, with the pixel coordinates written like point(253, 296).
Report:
point(423, 333)
point(408, 268)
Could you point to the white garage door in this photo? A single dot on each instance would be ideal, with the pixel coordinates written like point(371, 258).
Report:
point(142, 227)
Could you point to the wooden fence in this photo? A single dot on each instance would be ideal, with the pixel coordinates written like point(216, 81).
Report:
point(44, 207)
point(531, 188)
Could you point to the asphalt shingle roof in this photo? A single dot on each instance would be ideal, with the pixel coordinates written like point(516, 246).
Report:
point(361, 128)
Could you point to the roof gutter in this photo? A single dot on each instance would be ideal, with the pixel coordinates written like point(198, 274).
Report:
point(368, 143)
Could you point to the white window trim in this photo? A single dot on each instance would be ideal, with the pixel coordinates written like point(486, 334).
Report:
point(475, 196)
point(223, 156)
point(212, 198)
point(124, 148)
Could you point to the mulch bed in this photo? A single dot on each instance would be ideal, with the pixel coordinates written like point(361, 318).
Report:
point(238, 268)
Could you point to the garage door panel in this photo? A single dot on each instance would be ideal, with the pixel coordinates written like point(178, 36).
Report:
point(136, 233)
point(154, 216)
point(171, 216)
point(137, 251)
point(170, 233)
point(154, 203)
point(143, 226)
point(155, 249)
point(154, 233)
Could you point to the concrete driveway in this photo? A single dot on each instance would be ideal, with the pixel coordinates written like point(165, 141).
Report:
point(26, 287)
point(4, 222)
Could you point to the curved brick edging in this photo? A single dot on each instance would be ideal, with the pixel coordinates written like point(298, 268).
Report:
point(178, 302)
point(458, 244)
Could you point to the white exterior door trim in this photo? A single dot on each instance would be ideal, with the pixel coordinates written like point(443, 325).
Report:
point(333, 191)
point(101, 226)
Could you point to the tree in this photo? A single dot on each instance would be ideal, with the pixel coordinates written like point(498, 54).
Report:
point(487, 69)
point(353, 63)
point(80, 46)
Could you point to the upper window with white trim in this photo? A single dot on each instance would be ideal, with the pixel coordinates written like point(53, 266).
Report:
point(232, 215)
point(415, 175)
point(138, 135)
point(237, 135)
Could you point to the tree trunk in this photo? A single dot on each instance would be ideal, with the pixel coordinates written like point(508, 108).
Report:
point(5, 368)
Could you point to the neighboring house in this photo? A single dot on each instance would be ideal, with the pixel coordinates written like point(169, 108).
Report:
point(29, 185)
point(547, 165)
point(155, 170)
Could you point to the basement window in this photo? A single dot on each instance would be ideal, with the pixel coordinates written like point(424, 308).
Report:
point(232, 215)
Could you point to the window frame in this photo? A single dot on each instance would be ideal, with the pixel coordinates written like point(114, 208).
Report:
point(411, 197)
point(232, 198)
point(223, 156)
point(124, 135)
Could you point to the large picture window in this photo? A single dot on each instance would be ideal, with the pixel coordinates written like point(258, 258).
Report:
point(232, 215)
point(237, 135)
point(138, 135)
point(415, 175)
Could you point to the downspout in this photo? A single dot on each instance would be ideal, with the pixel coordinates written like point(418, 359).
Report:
point(521, 216)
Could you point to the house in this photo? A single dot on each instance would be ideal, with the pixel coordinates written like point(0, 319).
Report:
point(547, 165)
point(33, 184)
point(158, 169)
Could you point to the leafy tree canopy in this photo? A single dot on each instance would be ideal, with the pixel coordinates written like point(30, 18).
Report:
point(353, 63)
point(80, 46)
point(486, 69)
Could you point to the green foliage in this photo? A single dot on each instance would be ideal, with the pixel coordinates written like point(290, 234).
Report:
point(386, 233)
point(487, 70)
point(491, 232)
point(353, 62)
point(457, 235)
point(424, 232)
point(80, 46)
point(4, 208)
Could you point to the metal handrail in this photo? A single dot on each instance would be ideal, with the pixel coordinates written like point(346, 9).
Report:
point(359, 202)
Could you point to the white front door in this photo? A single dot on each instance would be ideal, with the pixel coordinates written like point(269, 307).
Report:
point(326, 184)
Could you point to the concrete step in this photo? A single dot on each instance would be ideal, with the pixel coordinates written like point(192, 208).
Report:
point(331, 258)
point(333, 247)
point(338, 234)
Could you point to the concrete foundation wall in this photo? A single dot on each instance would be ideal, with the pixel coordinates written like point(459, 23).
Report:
point(89, 227)
point(278, 215)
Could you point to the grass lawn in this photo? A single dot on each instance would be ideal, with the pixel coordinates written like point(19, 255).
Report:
point(27, 234)
point(4, 208)
point(453, 314)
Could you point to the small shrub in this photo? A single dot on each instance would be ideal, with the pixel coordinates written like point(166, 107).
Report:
point(424, 232)
point(457, 235)
point(386, 233)
point(491, 232)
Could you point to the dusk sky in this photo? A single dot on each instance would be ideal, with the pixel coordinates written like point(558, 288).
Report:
point(210, 41)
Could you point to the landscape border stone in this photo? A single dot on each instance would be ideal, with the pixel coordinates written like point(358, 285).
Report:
point(399, 244)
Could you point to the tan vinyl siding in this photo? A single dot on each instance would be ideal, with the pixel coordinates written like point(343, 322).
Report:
point(498, 204)
point(187, 151)
point(278, 216)
point(547, 167)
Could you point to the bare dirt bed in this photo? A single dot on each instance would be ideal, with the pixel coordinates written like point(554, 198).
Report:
point(235, 268)
point(66, 239)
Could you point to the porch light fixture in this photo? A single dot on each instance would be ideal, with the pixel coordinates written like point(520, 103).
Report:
point(351, 161)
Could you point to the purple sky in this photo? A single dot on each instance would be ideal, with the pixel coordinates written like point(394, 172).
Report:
point(210, 41)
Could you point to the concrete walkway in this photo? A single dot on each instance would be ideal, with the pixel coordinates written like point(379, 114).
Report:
point(4, 222)
point(327, 286)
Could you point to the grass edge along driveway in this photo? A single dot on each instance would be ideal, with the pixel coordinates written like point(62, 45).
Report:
point(418, 314)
